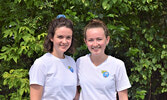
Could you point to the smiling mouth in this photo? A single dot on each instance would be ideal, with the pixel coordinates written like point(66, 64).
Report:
point(64, 45)
point(97, 47)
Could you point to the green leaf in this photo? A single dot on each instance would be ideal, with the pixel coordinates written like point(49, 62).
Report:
point(163, 54)
point(112, 15)
point(11, 71)
point(104, 4)
point(12, 23)
point(114, 1)
point(27, 38)
point(4, 48)
point(83, 1)
point(111, 27)
point(5, 82)
point(154, 60)
point(164, 46)
point(149, 37)
point(148, 1)
point(133, 51)
point(140, 94)
point(3, 56)
point(125, 0)
point(7, 33)
point(144, 1)
point(17, 1)
point(21, 91)
point(15, 59)
point(86, 3)
point(41, 35)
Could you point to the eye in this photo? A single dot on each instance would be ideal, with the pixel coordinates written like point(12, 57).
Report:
point(90, 40)
point(99, 39)
point(69, 37)
point(60, 37)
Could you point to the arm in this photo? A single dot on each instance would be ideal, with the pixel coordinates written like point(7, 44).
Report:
point(77, 93)
point(36, 92)
point(123, 95)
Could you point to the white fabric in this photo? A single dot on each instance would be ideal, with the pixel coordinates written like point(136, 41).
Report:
point(94, 86)
point(54, 75)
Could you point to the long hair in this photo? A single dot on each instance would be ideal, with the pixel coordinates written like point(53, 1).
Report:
point(54, 24)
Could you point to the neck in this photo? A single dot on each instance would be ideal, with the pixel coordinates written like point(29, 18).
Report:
point(58, 55)
point(98, 59)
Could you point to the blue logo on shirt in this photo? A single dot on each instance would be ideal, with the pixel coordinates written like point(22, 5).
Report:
point(105, 73)
point(71, 69)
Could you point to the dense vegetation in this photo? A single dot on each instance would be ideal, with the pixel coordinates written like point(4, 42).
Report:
point(138, 30)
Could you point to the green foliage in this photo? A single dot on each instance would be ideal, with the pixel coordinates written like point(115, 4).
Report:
point(140, 94)
point(17, 82)
point(138, 37)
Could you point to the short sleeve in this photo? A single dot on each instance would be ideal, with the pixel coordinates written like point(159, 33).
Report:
point(37, 73)
point(122, 80)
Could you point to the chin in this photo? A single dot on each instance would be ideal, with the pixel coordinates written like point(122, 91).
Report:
point(95, 53)
point(63, 50)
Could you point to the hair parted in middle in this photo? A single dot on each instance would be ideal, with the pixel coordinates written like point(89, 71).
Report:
point(54, 24)
point(96, 23)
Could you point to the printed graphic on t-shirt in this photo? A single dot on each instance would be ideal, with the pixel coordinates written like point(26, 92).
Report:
point(105, 73)
point(71, 69)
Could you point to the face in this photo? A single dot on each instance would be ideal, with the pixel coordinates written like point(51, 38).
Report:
point(96, 41)
point(62, 40)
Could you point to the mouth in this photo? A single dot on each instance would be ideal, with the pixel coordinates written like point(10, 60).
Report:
point(63, 46)
point(96, 48)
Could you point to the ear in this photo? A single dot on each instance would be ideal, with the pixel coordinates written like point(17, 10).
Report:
point(51, 39)
point(108, 39)
point(85, 40)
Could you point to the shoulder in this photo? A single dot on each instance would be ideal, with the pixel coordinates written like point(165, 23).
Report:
point(69, 58)
point(83, 57)
point(116, 60)
point(44, 59)
point(39, 64)
point(83, 60)
point(116, 63)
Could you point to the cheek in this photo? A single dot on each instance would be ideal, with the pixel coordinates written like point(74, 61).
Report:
point(69, 41)
point(104, 43)
point(88, 44)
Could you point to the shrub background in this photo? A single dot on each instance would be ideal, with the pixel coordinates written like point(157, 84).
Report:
point(138, 30)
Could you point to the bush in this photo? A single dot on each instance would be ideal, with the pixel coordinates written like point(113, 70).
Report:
point(138, 37)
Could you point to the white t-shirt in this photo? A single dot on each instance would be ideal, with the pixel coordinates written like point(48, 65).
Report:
point(103, 81)
point(57, 76)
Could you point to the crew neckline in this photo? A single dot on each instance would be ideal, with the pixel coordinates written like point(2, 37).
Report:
point(59, 59)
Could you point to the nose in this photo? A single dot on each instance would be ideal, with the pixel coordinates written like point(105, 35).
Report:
point(64, 40)
point(95, 43)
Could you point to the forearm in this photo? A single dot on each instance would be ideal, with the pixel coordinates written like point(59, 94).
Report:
point(77, 93)
point(123, 95)
point(36, 92)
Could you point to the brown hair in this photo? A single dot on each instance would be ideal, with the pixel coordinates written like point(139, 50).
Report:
point(95, 23)
point(54, 24)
